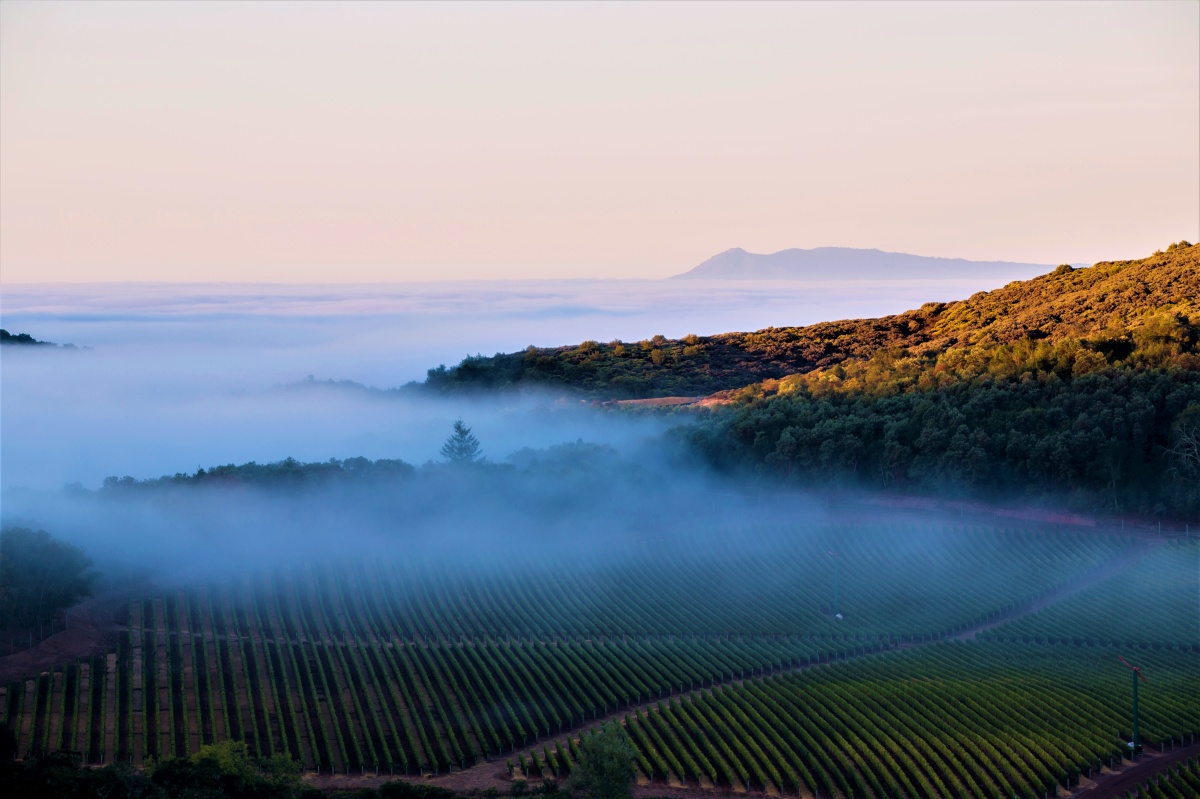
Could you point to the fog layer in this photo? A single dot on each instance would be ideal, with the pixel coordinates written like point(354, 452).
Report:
point(181, 377)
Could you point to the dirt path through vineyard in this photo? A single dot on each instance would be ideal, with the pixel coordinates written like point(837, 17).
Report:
point(91, 630)
point(1053, 597)
point(1116, 783)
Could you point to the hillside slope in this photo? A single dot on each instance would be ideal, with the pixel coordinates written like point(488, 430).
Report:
point(1105, 305)
point(851, 264)
point(1081, 388)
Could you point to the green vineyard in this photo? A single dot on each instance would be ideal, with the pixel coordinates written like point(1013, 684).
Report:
point(960, 720)
point(728, 672)
point(1181, 782)
point(1156, 602)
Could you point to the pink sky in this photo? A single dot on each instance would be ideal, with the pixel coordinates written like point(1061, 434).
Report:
point(400, 141)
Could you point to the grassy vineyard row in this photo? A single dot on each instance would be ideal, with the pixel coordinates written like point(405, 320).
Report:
point(964, 720)
point(196, 668)
point(1181, 782)
point(1156, 602)
point(893, 582)
point(407, 669)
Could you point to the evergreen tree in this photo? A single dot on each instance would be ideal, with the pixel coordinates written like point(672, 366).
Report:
point(461, 446)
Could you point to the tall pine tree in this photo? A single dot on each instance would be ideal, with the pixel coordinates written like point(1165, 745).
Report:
point(461, 447)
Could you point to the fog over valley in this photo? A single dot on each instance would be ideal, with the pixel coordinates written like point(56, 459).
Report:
point(183, 376)
point(592, 400)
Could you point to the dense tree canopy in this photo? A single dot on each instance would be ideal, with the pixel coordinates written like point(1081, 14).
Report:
point(607, 764)
point(19, 338)
point(287, 473)
point(1113, 440)
point(24, 339)
point(39, 575)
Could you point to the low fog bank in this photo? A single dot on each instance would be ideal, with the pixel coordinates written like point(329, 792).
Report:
point(389, 334)
point(584, 504)
point(200, 376)
point(184, 376)
point(82, 426)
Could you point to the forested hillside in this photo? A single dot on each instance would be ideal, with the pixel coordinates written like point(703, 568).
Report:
point(1113, 308)
point(1082, 384)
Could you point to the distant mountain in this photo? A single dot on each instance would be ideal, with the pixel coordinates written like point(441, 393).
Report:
point(846, 263)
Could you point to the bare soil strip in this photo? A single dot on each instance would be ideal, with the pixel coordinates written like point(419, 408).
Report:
point(137, 667)
point(1114, 784)
point(91, 630)
point(262, 674)
point(212, 659)
point(28, 703)
point(83, 696)
point(56, 699)
point(290, 697)
point(110, 708)
point(191, 698)
point(246, 717)
point(162, 680)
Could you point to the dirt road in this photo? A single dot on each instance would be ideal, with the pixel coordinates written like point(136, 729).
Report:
point(91, 630)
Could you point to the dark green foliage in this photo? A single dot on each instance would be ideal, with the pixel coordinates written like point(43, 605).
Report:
point(607, 764)
point(224, 771)
point(1111, 440)
point(549, 788)
point(287, 473)
point(39, 576)
point(8, 743)
point(462, 447)
point(963, 719)
point(20, 338)
point(398, 789)
point(26, 340)
point(204, 776)
point(621, 370)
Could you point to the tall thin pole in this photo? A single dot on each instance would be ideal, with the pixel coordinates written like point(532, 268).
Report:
point(835, 586)
point(1137, 741)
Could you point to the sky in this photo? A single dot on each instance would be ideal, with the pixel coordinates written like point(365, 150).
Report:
point(319, 143)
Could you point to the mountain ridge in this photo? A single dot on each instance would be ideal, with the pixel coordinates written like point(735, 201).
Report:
point(851, 263)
